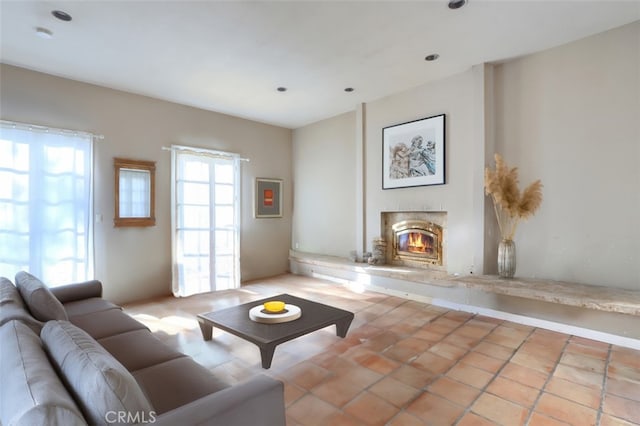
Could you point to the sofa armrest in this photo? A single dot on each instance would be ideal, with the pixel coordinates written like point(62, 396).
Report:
point(259, 401)
point(77, 291)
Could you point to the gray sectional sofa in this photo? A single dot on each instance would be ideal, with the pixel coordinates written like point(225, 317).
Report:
point(69, 357)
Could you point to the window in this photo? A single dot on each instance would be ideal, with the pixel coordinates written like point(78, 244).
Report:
point(45, 203)
point(205, 220)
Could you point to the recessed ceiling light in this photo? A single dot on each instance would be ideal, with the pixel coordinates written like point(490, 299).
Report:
point(432, 57)
point(44, 33)
point(456, 4)
point(63, 16)
point(282, 89)
point(349, 89)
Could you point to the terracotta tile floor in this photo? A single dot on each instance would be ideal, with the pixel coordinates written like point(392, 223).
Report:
point(409, 363)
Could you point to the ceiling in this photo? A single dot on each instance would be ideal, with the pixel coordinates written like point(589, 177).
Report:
point(231, 56)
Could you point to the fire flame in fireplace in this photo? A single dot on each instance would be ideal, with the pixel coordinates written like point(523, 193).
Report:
point(415, 242)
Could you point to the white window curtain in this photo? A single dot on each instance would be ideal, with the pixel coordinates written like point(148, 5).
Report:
point(46, 203)
point(205, 220)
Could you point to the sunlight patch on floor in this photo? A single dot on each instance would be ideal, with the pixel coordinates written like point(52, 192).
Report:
point(171, 325)
point(357, 286)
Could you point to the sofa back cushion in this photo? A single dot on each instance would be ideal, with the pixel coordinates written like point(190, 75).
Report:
point(41, 302)
point(9, 293)
point(98, 382)
point(78, 291)
point(32, 393)
point(11, 311)
point(12, 307)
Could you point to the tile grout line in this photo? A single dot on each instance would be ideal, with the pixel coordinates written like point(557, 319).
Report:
point(408, 363)
point(413, 358)
point(404, 363)
point(496, 374)
point(549, 377)
point(341, 409)
point(440, 375)
point(604, 386)
point(333, 374)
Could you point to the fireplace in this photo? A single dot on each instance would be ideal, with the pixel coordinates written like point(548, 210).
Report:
point(415, 239)
point(418, 241)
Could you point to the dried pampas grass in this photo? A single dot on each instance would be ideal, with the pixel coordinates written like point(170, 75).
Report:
point(510, 205)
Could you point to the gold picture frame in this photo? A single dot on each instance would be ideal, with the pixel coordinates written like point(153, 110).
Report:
point(142, 172)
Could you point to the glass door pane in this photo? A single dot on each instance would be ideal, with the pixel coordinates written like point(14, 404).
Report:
point(206, 232)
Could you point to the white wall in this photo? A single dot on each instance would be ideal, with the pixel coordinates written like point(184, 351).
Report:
point(135, 263)
point(324, 158)
point(455, 97)
point(324, 164)
point(570, 116)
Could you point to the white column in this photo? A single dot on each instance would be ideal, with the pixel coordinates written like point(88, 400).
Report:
point(361, 215)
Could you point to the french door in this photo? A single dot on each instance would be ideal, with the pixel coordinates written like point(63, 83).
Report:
point(46, 203)
point(205, 220)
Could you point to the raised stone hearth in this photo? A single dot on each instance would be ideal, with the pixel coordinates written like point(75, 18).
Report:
point(595, 312)
point(558, 292)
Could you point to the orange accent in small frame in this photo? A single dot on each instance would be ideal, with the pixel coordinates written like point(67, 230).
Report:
point(268, 197)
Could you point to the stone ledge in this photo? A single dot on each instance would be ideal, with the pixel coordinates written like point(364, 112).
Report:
point(572, 294)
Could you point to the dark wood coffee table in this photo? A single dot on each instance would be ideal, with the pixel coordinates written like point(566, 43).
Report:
point(267, 336)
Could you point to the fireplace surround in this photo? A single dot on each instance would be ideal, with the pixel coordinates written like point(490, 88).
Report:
point(415, 239)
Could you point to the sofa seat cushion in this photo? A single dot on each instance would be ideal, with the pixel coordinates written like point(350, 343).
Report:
point(106, 323)
point(88, 306)
point(138, 349)
point(32, 393)
point(42, 304)
point(98, 382)
point(177, 382)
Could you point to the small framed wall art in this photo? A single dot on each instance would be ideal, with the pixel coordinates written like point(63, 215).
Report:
point(268, 198)
point(413, 153)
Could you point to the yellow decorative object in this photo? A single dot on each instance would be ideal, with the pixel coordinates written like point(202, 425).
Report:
point(273, 306)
